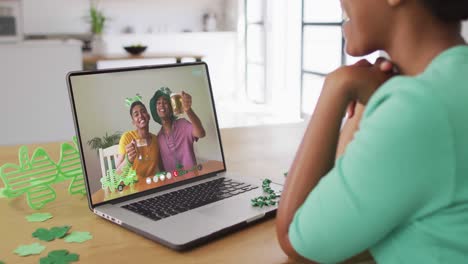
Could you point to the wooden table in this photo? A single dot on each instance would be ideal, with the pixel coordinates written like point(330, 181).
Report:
point(90, 60)
point(261, 152)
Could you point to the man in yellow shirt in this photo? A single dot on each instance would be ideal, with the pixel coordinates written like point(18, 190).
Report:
point(139, 148)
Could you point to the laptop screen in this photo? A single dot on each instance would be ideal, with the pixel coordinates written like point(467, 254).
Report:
point(144, 128)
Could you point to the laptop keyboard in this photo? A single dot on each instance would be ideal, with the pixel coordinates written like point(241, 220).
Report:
point(189, 198)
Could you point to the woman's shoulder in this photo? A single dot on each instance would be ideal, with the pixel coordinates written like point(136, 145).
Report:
point(182, 122)
point(128, 136)
point(405, 92)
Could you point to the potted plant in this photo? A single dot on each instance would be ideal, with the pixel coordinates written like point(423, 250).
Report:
point(105, 142)
point(97, 21)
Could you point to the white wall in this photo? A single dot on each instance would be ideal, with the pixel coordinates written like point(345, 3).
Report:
point(465, 30)
point(100, 104)
point(35, 106)
point(218, 50)
point(59, 16)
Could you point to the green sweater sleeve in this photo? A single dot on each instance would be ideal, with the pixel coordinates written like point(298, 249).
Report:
point(390, 173)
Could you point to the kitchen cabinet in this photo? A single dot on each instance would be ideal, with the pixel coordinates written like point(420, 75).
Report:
point(35, 104)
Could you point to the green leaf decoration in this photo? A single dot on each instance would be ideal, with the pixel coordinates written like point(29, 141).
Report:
point(59, 257)
point(2, 195)
point(38, 217)
point(26, 250)
point(43, 234)
point(78, 237)
point(60, 231)
point(49, 235)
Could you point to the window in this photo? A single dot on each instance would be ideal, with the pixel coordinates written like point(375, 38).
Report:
point(255, 50)
point(322, 47)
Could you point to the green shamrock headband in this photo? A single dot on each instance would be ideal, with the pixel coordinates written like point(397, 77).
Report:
point(130, 101)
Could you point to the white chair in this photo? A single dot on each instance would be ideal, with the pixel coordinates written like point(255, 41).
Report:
point(106, 156)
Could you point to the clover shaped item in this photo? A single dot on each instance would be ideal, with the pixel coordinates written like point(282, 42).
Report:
point(59, 257)
point(49, 235)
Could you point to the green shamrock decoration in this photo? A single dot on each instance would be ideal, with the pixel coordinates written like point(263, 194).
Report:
point(129, 101)
point(130, 178)
point(38, 217)
point(35, 176)
point(110, 180)
point(59, 257)
point(43, 234)
point(60, 231)
point(267, 200)
point(69, 166)
point(181, 172)
point(49, 235)
point(78, 237)
point(113, 179)
point(32, 176)
point(26, 250)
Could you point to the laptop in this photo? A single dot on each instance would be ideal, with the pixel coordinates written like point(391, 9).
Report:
point(179, 207)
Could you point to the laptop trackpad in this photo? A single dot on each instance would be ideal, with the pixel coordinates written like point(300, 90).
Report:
point(233, 211)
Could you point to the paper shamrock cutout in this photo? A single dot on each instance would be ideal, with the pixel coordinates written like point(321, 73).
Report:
point(26, 250)
point(59, 257)
point(78, 237)
point(49, 235)
point(38, 217)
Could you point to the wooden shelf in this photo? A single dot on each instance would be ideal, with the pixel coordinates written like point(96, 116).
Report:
point(90, 60)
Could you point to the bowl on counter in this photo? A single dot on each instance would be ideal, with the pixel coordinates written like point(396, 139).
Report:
point(135, 49)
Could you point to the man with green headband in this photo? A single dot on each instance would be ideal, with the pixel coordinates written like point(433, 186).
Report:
point(139, 148)
point(177, 135)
